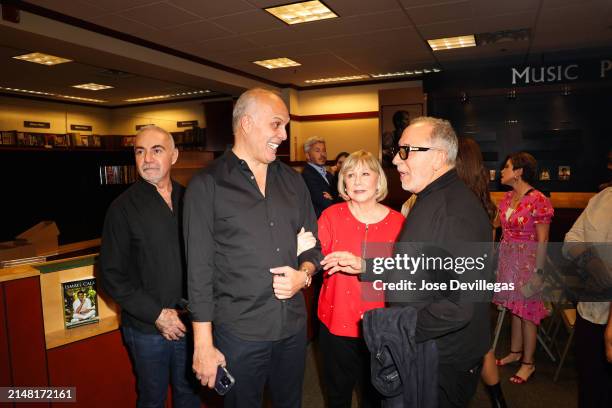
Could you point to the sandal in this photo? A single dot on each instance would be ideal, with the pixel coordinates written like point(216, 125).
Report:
point(500, 362)
point(515, 379)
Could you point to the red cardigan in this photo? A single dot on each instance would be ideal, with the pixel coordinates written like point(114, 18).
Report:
point(341, 306)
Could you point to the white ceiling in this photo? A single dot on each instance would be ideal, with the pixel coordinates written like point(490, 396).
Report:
point(371, 36)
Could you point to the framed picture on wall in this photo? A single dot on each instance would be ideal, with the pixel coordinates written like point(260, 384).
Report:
point(393, 120)
point(565, 172)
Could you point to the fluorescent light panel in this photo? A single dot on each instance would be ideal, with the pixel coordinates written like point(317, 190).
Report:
point(43, 59)
point(277, 63)
point(336, 79)
point(29, 91)
point(452, 42)
point(154, 97)
point(302, 12)
point(92, 86)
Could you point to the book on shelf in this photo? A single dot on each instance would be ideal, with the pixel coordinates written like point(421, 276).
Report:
point(8, 137)
point(80, 299)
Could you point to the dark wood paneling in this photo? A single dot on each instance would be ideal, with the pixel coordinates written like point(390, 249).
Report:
point(100, 369)
point(5, 366)
point(26, 337)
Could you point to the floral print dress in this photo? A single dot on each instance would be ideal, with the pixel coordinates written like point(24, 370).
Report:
point(517, 253)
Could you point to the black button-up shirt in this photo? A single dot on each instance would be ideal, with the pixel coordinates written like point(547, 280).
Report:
point(234, 235)
point(141, 258)
point(447, 211)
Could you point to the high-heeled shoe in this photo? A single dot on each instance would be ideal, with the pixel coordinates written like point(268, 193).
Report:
point(515, 379)
point(500, 362)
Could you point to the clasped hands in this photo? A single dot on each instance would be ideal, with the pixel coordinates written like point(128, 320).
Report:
point(342, 261)
point(170, 325)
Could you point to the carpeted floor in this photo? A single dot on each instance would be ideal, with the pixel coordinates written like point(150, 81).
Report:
point(539, 391)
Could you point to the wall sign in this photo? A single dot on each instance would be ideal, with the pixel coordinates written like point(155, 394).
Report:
point(187, 123)
point(37, 125)
point(562, 72)
point(138, 127)
point(81, 127)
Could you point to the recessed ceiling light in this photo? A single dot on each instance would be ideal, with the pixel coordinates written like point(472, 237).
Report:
point(78, 98)
point(154, 97)
point(302, 12)
point(43, 59)
point(25, 91)
point(29, 91)
point(277, 63)
point(452, 42)
point(405, 73)
point(336, 79)
point(92, 86)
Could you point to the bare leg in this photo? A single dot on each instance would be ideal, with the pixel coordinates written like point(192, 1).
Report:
point(516, 343)
point(490, 374)
point(530, 331)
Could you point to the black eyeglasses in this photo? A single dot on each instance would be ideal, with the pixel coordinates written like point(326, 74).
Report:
point(404, 151)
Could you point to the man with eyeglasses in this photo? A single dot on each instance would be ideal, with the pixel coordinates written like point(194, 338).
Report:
point(445, 211)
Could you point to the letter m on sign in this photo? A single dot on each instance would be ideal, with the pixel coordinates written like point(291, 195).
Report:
point(516, 74)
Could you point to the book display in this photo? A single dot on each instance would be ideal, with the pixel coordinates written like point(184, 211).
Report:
point(80, 302)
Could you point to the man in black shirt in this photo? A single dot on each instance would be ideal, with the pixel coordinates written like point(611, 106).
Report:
point(445, 212)
point(142, 268)
point(242, 216)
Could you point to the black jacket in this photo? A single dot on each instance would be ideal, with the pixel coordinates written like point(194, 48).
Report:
point(403, 371)
point(317, 186)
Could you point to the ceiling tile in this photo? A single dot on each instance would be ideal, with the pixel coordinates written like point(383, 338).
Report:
point(250, 21)
point(76, 8)
point(440, 13)
point(207, 49)
point(505, 22)
point(159, 15)
point(448, 29)
point(346, 8)
point(124, 25)
point(199, 31)
point(493, 8)
point(211, 9)
point(119, 5)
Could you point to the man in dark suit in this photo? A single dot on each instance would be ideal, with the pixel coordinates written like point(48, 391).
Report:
point(323, 191)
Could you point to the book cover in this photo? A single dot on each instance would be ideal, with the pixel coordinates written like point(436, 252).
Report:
point(80, 302)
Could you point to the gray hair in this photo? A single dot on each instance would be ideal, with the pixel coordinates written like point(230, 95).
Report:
point(442, 135)
point(153, 128)
point(245, 103)
point(312, 141)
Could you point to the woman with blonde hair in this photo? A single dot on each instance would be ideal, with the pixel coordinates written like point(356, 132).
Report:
point(345, 229)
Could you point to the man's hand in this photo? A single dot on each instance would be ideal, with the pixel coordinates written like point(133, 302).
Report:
point(169, 324)
point(287, 281)
point(205, 363)
point(305, 241)
point(342, 261)
point(327, 196)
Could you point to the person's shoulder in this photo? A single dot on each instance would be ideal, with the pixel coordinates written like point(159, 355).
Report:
point(395, 216)
point(336, 209)
point(538, 196)
point(126, 196)
point(287, 171)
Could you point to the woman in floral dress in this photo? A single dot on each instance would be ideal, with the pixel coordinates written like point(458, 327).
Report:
point(525, 216)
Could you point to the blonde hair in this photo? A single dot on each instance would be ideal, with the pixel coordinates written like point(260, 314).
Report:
point(361, 157)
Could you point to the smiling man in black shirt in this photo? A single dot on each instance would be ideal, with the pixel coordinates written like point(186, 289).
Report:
point(445, 212)
point(242, 217)
point(142, 268)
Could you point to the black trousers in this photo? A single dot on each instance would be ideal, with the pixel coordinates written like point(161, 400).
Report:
point(279, 364)
point(346, 364)
point(456, 387)
point(594, 371)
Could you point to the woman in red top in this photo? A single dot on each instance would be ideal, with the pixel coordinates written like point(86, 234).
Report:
point(345, 231)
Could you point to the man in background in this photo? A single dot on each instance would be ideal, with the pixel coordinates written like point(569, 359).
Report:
point(143, 270)
point(320, 182)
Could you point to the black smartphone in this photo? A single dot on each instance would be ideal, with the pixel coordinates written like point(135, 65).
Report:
point(224, 381)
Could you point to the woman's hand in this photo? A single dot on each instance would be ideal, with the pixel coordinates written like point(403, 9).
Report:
point(342, 261)
point(305, 241)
